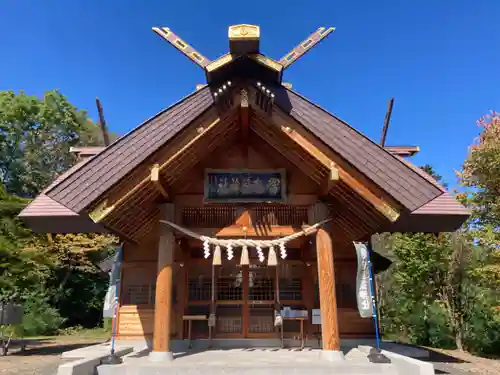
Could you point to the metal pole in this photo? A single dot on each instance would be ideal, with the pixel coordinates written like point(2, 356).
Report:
point(374, 302)
point(113, 359)
point(376, 355)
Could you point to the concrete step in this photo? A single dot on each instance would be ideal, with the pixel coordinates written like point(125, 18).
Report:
point(250, 369)
point(241, 362)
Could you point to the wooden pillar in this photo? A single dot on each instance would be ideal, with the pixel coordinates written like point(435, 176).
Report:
point(327, 296)
point(307, 285)
point(163, 301)
point(246, 312)
point(181, 291)
point(326, 280)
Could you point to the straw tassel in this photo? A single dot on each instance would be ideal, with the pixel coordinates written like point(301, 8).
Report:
point(217, 259)
point(244, 261)
point(272, 260)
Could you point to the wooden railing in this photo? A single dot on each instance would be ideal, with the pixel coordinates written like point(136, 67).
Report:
point(260, 215)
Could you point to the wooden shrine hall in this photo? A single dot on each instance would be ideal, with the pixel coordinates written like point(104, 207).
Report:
point(241, 203)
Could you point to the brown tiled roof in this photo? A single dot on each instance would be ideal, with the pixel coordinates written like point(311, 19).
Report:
point(402, 150)
point(43, 205)
point(86, 151)
point(386, 170)
point(442, 214)
point(85, 185)
point(45, 215)
point(78, 188)
point(422, 173)
point(445, 203)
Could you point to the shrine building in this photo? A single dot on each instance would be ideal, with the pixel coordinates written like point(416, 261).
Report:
point(239, 203)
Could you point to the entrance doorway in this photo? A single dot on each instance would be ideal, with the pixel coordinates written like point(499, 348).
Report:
point(244, 298)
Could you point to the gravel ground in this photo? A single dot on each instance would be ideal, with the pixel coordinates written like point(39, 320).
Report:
point(462, 363)
point(41, 357)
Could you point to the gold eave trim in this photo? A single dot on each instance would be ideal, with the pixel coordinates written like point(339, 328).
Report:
point(221, 61)
point(267, 62)
point(101, 211)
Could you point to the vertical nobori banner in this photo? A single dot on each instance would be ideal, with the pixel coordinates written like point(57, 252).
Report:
point(111, 299)
point(363, 288)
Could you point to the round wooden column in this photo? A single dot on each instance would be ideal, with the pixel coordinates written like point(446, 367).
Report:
point(327, 297)
point(163, 297)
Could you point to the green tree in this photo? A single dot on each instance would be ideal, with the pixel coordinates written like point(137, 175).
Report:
point(444, 289)
point(56, 275)
point(35, 137)
point(427, 168)
point(20, 269)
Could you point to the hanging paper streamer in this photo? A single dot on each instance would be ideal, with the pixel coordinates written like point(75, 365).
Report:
point(217, 261)
point(283, 250)
point(230, 252)
point(244, 261)
point(260, 254)
point(271, 258)
point(206, 248)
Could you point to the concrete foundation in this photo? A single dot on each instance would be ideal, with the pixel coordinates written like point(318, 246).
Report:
point(161, 356)
point(253, 361)
point(87, 359)
point(204, 344)
point(254, 357)
point(332, 355)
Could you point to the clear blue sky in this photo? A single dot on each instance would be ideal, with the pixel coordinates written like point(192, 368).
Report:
point(439, 59)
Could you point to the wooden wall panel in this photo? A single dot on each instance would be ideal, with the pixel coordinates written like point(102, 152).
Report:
point(351, 323)
point(345, 252)
point(136, 322)
point(146, 250)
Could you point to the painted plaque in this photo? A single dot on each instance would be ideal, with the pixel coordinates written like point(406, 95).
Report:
point(245, 186)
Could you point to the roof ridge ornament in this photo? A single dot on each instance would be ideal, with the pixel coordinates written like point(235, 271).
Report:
point(244, 39)
point(182, 46)
point(244, 42)
point(305, 46)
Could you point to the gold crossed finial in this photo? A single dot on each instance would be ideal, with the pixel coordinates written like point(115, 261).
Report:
point(305, 46)
point(243, 40)
point(182, 46)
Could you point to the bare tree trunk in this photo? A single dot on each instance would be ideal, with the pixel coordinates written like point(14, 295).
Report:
point(69, 271)
point(459, 338)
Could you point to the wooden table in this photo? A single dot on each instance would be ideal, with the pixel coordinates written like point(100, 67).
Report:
point(302, 339)
point(190, 319)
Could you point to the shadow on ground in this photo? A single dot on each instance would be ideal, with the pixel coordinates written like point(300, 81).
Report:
point(50, 349)
point(436, 356)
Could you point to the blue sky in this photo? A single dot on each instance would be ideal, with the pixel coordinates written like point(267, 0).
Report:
point(439, 59)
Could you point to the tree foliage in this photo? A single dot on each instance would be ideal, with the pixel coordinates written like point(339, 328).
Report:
point(55, 277)
point(35, 137)
point(443, 290)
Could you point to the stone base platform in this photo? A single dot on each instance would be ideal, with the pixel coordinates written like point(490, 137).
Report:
point(253, 361)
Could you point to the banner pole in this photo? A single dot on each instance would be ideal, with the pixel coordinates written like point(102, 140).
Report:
point(375, 355)
point(112, 358)
point(374, 301)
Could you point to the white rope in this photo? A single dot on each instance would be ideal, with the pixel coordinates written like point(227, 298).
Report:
point(240, 242)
